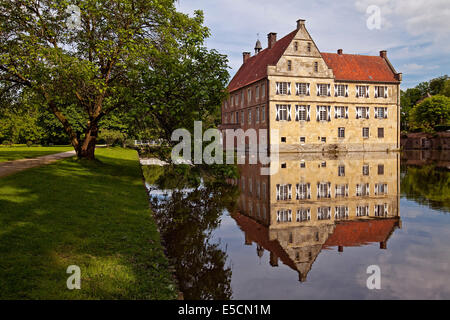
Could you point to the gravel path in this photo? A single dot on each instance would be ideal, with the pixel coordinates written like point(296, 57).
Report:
point(11, 167)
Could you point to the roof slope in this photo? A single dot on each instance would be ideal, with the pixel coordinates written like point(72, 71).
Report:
point(255, 68)
point(352, 67)
point(359, 233)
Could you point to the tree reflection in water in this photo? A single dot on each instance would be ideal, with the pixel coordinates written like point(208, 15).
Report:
point(426, 181)
point(186, 220)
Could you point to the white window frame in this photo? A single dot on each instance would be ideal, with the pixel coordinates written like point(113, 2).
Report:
point(283, 88)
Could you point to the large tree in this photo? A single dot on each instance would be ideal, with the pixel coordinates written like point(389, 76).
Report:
point(83, 55)
point(431, 112)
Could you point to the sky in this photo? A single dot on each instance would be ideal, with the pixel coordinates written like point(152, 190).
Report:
point(415, 33)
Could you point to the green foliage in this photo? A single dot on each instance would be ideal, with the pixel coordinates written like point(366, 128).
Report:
point(427, 185)
point(83, 74)
point(431, 112)
point(112, 137)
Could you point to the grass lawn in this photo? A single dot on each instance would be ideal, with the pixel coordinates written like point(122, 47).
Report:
point(93, 215)
point(23, 152)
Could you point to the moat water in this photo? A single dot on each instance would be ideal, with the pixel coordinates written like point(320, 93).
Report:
point(233, 241)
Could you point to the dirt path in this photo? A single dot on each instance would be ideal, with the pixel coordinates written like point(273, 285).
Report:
point(11, 167)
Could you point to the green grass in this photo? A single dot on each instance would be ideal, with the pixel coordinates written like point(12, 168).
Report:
point(91, 214)
point(23, 152)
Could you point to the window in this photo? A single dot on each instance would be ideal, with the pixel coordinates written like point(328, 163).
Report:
point(303, 214)
point(264, 190)
point(283, 139)
point(242, 97)
point(381, 169)
point(289, 64)
point(302, 113)
point(323, 113)
point(381, 92)
point(381, 188)
point(249, 95)
point(258, 190)
point(381, 210)
point(380, 113)
point(362, 211)
point(303, 191)
point(237, 116)
point(341, 112)
point(341, 90)
point(362, 190)
point(302, 89)
point(362, 112)
point(323, 190)
point(284, 192)
point(283, 88)
point(341, 171)
point(341, 212)
point(296, 46)
point(324, 213)
point(283, 165)
point(225, 104)
point(323, 89)
point(263, 113)
point(362, 91)
point(249, 116)
point(257, 115)
point(302, 164)
point(341, 190)
point(302, 139)
point(316, 67)
point(242, 117)
point(323, 164)
point(257, 92)
point(365, 133)
point(263, 90)
point(380, 132)
point(341, 132)
point(250, 186)
point(365, 170)
point(309, 47)
point(323, 139)
point(284, 215)
point(283, 112)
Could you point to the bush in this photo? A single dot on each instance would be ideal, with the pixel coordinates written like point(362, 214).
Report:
point(111, 137)
point(7, 143)
point(29, 143)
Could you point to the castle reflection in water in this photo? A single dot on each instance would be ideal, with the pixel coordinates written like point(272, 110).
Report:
point(317, 202)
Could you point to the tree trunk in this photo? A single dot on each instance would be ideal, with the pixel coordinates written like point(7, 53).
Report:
point(86, 150)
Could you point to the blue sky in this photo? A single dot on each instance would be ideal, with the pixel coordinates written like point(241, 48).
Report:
point(415, 33)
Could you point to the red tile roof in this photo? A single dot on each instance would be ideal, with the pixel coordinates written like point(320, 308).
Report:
point(358, 233)
point(255, 68)
point(260, 234)
point(352, 67)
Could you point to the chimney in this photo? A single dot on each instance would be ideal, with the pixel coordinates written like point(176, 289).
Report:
point(245, 56)
point(272, 38)
point(339, 51)
point(383, 245)
point(383, 54)
point(300, 23)
point(399, 77)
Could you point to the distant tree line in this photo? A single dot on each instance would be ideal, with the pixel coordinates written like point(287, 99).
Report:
point(426, 107)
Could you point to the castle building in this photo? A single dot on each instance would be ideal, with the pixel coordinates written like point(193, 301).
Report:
point(318, 101)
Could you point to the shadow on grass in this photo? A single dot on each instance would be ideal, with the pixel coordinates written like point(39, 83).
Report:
point(91, 214)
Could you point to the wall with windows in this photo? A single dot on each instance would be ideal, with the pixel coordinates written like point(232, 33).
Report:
point(302, 79)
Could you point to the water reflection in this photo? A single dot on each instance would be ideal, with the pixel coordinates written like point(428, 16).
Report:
point(317, 202)
point(426, 178)
point(321, 219)
point(188, 208)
